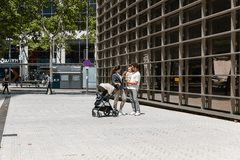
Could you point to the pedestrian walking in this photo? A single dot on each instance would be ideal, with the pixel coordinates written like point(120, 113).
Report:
point(5, 84)
point(117, 81)
point(133, 89)
point(49, 83)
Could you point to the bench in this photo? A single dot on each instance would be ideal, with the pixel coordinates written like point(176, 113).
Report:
point(29, 83)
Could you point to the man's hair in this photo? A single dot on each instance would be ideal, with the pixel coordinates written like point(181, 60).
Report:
point(135, 64)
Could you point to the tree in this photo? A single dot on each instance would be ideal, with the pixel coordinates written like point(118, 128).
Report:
point(63, 25)
point(8, 23)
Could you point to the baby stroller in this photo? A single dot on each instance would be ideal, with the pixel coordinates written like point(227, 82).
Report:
point(106, 91)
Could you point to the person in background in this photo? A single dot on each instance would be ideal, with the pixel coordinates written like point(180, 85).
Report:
point(5, 84)
point(43, 79)
point(17, 80)
point(117, 81)
point(49, 83)
point(133, 89)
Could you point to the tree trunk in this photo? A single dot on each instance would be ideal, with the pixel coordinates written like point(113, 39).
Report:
point(50, 60)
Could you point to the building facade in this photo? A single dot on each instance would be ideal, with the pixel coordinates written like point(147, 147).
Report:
point(188, 51)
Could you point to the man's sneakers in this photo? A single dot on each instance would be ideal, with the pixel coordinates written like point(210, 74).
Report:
point(132, 113)
point(137, 114)
point(121, 113)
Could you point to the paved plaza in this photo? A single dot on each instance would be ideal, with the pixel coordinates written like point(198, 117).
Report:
point(61, 127)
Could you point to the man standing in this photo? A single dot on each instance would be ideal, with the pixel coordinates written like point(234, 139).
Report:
point(133, 89)
point(49, 83)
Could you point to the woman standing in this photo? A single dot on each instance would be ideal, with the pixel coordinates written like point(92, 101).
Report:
point(5, 84)
point(117, 81)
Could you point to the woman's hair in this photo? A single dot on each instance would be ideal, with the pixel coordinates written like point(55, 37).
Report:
point(114, 70)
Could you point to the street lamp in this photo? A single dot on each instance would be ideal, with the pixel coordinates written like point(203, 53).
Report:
point(87, 51)
point(10, 61)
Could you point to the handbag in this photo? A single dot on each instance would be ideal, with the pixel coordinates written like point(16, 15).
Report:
point(43, 81)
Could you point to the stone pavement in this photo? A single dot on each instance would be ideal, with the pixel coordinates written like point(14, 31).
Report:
point(60, 127)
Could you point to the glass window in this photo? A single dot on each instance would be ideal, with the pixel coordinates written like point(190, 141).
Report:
point(192, 49)
point(47, 10)
point(64, 77)
point(218, 25)
point(142, 32)
point(132, 23)
point(157, 54)
point(131, 35)
point(142, 44)
point(186, 2)
point(172, 21)
point(142, 5)
point(142, 19)
point(172, 52)
point(192, 100)
point(171, 5)
point(76, 78)
point(131, 2)
point(132, 47)
point(156, 27)
point(123, 28)
point(114, 11)
point(122, 16)
point(218, 45)
point(214, 6)
point(132, 11)
point(155, 1)
point(192, 13)
point(191, 32)
point(156, 41)
point(172, 37)
point(122, 5)
point(156, 12)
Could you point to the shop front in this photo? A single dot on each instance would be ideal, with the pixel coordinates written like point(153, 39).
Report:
point(67, 77)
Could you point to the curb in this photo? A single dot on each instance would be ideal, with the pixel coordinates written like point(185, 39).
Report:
point(54, 90)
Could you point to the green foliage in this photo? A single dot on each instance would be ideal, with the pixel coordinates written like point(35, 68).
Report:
point(21, 20)
point(91, 30)
point(8, 23)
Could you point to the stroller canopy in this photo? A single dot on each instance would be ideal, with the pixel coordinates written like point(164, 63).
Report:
point(106, 86)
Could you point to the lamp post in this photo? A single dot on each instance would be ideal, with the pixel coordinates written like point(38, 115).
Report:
point(87, 51)
point(20, 59)
point(10, 61)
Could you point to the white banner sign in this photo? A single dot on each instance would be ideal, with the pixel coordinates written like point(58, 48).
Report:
point(9, 60)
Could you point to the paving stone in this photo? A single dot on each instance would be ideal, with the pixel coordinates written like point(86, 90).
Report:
point(61, 127)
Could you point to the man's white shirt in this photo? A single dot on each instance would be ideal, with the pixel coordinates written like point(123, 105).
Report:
point(135, 77)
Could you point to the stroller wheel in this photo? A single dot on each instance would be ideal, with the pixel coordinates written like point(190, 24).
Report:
point(93, 113)
point(115, 113)
point(106, 112)
point(99, 114)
